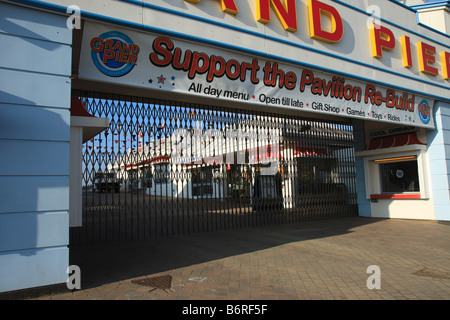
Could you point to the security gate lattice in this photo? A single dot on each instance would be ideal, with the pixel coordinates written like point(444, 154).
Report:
point(166, 168)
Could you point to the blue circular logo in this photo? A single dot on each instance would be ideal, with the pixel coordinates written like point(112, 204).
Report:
point(424, 110)
point(114, 53)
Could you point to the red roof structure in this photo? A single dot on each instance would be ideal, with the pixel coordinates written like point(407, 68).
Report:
point(394, 141)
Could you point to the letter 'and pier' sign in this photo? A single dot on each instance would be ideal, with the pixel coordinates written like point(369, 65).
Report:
point(154, 62)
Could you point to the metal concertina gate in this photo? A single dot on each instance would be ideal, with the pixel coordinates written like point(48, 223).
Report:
point(166, 168)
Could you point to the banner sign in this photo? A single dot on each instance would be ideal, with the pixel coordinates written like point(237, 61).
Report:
point(160, 63)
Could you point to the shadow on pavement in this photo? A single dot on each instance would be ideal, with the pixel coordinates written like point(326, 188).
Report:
point(115, 261)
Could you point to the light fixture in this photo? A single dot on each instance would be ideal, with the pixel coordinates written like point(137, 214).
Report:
point(395, 159)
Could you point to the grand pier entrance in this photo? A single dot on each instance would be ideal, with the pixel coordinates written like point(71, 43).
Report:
point(166, 168)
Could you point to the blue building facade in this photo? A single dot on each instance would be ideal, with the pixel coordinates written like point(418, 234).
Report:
point(34, 138)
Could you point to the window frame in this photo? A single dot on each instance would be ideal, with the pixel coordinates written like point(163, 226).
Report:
point(373, 175)
point(399, 160)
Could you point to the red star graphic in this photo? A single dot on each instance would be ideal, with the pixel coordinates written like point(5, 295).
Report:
point(161, 79)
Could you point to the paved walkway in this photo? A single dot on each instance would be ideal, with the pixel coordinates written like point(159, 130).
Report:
point(325, 259)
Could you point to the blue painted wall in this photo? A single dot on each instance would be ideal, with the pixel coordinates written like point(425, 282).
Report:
point(439, 155)
point(360, 145)
point(35, 67)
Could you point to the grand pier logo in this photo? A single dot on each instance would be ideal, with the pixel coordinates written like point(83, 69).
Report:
point(424, 110)
point(114, 53)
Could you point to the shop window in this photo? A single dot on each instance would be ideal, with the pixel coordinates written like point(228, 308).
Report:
point(162, 173)
point(202, 175)
point(399, 175)
point(202, 181)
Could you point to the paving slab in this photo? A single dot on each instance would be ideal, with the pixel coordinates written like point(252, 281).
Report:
point(314, 260)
